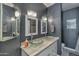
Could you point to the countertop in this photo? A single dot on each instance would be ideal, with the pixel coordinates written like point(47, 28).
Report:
point(47, 41)
point(7, 38)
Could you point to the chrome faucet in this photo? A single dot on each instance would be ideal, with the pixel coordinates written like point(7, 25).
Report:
point(31, 37)
point(45, 34)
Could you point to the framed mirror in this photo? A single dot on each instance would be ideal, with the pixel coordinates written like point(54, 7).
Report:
point(31, 26)
point(0, 22)
point(44, 25)
point(10, 23)
point(51, 24)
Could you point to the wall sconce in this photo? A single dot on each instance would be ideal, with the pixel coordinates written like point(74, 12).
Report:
point(31, 13)
point(12, 19)
point(17, 13)
point(44, 18)
point(50, 20)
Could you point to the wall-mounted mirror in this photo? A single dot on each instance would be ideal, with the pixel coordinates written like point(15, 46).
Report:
point(0, 22)
point(43, 25)
point(10, 23)
point(31, 26)
point(51, 24)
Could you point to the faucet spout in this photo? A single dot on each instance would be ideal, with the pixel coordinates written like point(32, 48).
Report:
point(31, 37)
point(45, 34)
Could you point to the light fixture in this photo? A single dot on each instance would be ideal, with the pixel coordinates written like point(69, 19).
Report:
point(34, 14)
point(50, 20)
point(12, 19)
point(31, 13)
point(44, 18)
point(17, 13)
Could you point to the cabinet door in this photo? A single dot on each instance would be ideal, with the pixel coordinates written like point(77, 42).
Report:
point(53, 49)
point(23, 53)
point(50, 51)
point(44, 53)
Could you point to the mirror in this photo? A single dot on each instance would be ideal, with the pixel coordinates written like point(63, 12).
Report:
point(0, 22)
point(44, 25)
point(51, 24)
point(31, 26)
point(10, 23)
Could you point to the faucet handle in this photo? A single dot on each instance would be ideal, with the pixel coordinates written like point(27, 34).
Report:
point(32, 36)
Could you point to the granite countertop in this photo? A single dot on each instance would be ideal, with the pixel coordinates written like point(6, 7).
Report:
point(34, 50)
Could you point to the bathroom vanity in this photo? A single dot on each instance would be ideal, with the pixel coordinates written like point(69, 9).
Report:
point(47, 48)
point(43, 46)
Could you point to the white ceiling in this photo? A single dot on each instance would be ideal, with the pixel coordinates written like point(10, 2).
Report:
point(9, 4)
point(67, 6)
point(48, 4)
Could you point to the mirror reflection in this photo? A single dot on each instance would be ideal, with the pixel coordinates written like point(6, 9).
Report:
point(10, 23)
point(44, 25)
point(31, 26)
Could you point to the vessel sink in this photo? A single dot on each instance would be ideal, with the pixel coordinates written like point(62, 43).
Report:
point(36, 41)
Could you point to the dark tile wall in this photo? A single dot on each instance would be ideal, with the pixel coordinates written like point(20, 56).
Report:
point(55, 12)
point(70, 36)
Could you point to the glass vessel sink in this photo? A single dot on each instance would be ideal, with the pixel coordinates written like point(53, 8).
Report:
point(36, 41)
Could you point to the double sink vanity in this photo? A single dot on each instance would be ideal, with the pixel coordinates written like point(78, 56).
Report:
point(44, 46)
